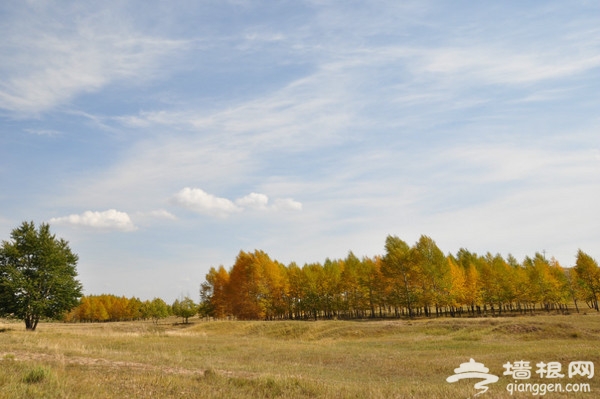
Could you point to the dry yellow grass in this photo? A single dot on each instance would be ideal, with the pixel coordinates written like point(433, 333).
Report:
point(286, 359)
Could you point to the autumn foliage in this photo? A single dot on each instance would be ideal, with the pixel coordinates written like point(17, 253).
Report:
point(98, 308)
point(407, 281)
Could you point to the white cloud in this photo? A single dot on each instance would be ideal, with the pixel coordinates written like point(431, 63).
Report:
point(200, 201)
point(287, 204)
point(109, 220)
point(254, 201)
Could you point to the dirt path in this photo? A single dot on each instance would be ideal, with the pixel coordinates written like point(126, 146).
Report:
point(91, 362)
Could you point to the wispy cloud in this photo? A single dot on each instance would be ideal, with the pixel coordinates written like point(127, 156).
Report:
point(44, 132)
point(52, 63)
point(306, 113)
point(503, 66)
point(104, 220)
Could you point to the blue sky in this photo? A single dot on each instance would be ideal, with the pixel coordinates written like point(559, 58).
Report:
point(161, 138)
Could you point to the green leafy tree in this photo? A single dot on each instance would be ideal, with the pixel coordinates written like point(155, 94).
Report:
point(37, 275)
point(158, 309)
point(185, 308)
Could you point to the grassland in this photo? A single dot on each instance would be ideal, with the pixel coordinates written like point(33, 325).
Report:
point(287, 359)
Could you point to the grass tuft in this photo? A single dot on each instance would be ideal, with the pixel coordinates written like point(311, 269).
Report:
point(36, 375)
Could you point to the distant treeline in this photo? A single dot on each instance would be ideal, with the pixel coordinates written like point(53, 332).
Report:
point(106, 307)
point(406, 281)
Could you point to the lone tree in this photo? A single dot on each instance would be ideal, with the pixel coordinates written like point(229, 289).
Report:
point(157, 309)
point(185, 308)
point(37, 275)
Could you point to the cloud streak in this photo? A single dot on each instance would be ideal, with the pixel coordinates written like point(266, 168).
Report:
point(82, 56)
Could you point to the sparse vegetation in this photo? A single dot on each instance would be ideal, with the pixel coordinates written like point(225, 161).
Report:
point(284, 359)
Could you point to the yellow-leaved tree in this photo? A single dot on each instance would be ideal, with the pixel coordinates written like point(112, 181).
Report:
point(588, 278)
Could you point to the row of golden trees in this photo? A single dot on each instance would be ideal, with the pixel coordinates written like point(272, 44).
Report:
point(406, 281)
point(106, 307)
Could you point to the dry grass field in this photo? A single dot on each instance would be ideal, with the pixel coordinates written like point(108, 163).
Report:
point(289, 359)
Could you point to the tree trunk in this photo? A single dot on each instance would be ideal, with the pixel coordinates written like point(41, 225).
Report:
point(31, 322)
